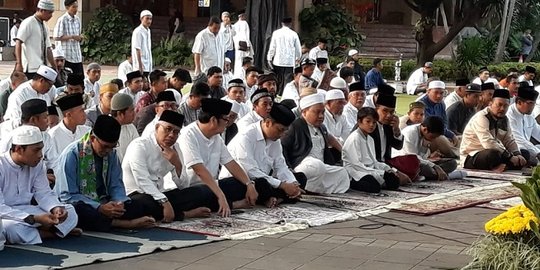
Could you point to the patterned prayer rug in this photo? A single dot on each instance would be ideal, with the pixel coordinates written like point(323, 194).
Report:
point(503, 204)
point(440, 203)
point(506, 176)
point(434, 187)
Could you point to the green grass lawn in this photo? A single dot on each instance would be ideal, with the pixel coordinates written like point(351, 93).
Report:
point(403, 101)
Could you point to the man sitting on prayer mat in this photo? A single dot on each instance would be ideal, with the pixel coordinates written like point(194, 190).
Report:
point(306, 149)
point(155, 175)
point(488, 143)
point(258, 150)
point(261, 102)
point(204, 151)
point(22, 178)
point(164, 101)
point(123, 110)
point(90, 178)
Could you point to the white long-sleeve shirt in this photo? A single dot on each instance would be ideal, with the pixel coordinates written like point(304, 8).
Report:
point(285, 48)
point(145, 170)
point(259, 156)
point(128, 133)
point(350, 113)
point(337, 125)
point(248, 119)
point(524, 127)
point(417, 78)
point(62, 136)
point(23, 93)
point(123, 69)
point(359, 157)
point(413, 144)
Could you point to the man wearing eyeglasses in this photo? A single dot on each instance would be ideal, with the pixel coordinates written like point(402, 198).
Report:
point(106, 93)
point(522, 123)
point(165, 102)
point(90, 178)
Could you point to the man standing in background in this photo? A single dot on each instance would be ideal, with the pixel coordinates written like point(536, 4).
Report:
point(141, 45)
point(67, 34)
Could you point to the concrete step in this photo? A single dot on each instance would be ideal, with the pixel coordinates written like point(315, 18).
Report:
point(370, 43)
point(389, 48)
point(385, 26)
point(388, 56)
point(394, 40)
point(387, 35)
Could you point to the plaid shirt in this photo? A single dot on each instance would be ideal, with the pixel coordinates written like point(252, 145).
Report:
point(69, 26)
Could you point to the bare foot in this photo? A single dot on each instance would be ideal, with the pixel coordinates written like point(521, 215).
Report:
point(142, 223)
point(197, 212)
point(76, 232)
point(271, 203)
point(500, 168)
point(242, 204)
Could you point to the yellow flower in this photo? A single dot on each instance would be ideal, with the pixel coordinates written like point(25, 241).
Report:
point(515, 220)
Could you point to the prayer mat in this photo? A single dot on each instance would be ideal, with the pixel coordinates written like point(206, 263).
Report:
point(503, 204)
point(518, 176)
point(299, 213)
point(232, 227)
point(435, 187)
point(439, 203)
point(93, 246)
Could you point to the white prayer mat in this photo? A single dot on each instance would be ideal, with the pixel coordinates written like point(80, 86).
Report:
point(503, 204)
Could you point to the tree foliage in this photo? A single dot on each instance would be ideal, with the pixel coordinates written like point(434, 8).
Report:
point(172, 53)
point(108, 36)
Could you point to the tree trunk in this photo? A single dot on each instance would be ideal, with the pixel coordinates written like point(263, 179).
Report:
point(505, 23)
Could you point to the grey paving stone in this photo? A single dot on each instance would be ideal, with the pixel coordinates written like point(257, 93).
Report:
point(304, 244)
point(317, 237)
point(383, 243)
point(295, 235)
point(402, 256)
point(223, 261)
point(338, 239)
point(371, 265)
point(272, 264)
point(446, 260)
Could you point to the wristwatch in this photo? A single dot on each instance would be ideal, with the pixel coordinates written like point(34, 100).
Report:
point(30, 219)
point(162, 201)
point(250, 183)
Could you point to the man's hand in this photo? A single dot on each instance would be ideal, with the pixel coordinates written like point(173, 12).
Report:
point(168, 212)
point(46, 220)
point(251, 194)
point(18, 67)
point(60, 213)
point(51, 178)
point(224, 209)
point(170, 154)
point(112, 209)
point(292, 190)
point(518, 161)
point(77, 38)
point(441, 174)
point(403, 178)
point(394, 123)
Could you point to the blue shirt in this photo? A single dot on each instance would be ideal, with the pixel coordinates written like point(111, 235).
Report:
point(437, 109)
point(373, 79)
point(67, 180)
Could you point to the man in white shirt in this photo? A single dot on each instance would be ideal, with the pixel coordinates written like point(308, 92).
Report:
point(483, 77)
point(208, 50)
point(417, 82)
point(528, 75)
point(22, 179)
point(334, 120)
point(306, 148)
point(38, 87)
point(204, 151)
point(141, 45)
point(356, 98)
point(258, 150)
point(72, 127)
point(284, 52)
point(321, 46)
point(123, 110)
point(524, 126)
point(91, 83)
point(242, 53)
point(236, 92)
point(458, 94)
point(292, 89)
point(67, 34)
point(134, 85)
point(262, 104)
point(33, 47)
point(252, 75)
point(227, 73)
point(154, 174)
point(125, 67)
point(227, 33)
point(13, 32)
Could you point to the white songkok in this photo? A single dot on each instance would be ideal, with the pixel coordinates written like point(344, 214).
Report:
point(45, 4)
point(26, 135)
point(310, 100)
point(338, 83)
point(334, 94)
point(145, 13)
point(436, 84)
point(58, 53)
point(47, 73)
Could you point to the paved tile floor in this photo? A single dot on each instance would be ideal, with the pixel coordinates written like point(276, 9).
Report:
point(388, 241)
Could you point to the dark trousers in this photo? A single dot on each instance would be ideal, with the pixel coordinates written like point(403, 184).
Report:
point(91, 219)
point(181, 200)
point(77, 68)
point(283, 75)
point(448, 165)
point(488, 159)
point(266, 191)
point(370, 184)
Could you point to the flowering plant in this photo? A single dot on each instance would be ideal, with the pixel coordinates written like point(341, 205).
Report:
point(515, 220)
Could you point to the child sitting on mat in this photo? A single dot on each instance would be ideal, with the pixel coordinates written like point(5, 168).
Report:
point(414, 116)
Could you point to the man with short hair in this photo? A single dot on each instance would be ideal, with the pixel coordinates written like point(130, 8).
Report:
point(141, 45)
point(38, 87)
point(240, 71)
point(292, 89)
point(512, 85)
point(308, 68)
point(75, 84)
point(33, 47)
point(483, 77)
point(305, 148)
point(334, 121)
point(252, 75)
point(268, 82)
point(262, 104)
point(227, 33)
point(487, 95)
point(91, 83)
point(283, 53)
point(258, 150)
point(215, 81)
point(356, 99)
point(528, 75)
point(7, 86)
point(134, 85)
point(458, 94)
point(61, 68)
point(374, 77)
point(72, 127)
point(524, 126)
point(22, 180)
point(208, 50)
point(236, 93)
point(321, 46)
point(67, 34)
point(106, 93)
point(487, 142)
point(90, 179)
point(158, 84)
point(382, 90)
point(123, 111)
point(192, 106)
point(179, 79)
point(460, 112)
point(323, 74)
point(148, 117)
point(417, 82)
point(227, 73)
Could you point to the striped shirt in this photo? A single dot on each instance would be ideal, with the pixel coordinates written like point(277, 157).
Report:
point(69, 26)
point(190, 115)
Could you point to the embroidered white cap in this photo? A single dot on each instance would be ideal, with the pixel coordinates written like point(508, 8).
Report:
point(47, 73)
point(334, 94)
point(145, 13)
point(310, 100)
point(235, 106)
point(228, 60)
point(322, 91)
point(436, 84)
point(338, 83)
point(58, 53)
point(26, 135)
point(177, 95)
point(353, 52)
point(45, 4)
